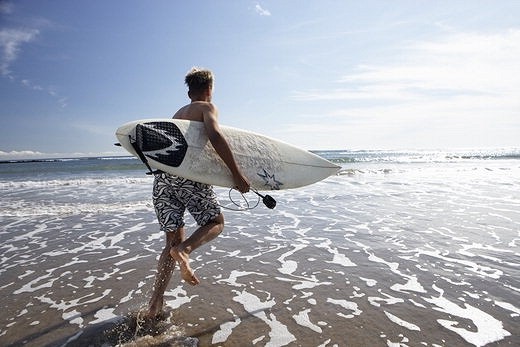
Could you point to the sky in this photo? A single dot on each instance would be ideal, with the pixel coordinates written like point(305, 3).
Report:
point(321, 74)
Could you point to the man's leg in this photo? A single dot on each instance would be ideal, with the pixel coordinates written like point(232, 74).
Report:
point(201, 236)
point(164, 272)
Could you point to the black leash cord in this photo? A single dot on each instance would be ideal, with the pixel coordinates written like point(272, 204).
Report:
point(240, 208)
point(266, 199)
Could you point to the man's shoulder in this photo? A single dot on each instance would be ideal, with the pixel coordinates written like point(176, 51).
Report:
point(207, 109)
point(196, 111)
point(203, 104)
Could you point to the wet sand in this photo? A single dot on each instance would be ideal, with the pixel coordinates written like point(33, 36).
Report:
point(373, 259)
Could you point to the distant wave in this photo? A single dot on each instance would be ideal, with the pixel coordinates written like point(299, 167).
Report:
point(72, 182)
point(28, 208)
point(417, 156)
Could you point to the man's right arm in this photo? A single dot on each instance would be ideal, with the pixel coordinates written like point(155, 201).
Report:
point(222, 148)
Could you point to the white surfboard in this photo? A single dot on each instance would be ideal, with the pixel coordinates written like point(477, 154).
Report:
point(182, 148)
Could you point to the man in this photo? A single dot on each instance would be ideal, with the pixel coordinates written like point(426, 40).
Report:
point(173, 195)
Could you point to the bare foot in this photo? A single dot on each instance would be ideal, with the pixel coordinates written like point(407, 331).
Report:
point(184, 263)
point(154, 309)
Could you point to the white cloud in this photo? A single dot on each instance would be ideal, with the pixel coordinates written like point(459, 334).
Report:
point(10, 43)
point(465, 63)
point(469, 64)
point(461, 89)
point(261, 11)
point(12, 155)
point(29, 84)
point(35, 155)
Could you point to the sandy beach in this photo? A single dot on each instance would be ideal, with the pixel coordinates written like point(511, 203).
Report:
point(380, 255)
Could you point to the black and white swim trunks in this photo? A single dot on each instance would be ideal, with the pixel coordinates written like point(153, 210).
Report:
point(172, 195)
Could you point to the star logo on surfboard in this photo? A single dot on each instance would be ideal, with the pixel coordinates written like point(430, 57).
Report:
point(270, 180)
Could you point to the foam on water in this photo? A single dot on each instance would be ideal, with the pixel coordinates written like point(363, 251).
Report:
point(226, 329)
point(400, 254)
point(488, 329)
point(401, 322)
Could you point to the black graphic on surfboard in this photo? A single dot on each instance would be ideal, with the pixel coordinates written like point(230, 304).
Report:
point(270, 180)
point(162, 142)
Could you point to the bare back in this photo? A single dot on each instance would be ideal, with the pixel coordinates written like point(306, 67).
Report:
point(195, 111)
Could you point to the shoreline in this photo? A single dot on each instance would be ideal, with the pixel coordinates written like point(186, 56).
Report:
point(427, 255)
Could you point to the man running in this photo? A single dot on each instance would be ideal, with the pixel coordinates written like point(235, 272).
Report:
point(172, 195)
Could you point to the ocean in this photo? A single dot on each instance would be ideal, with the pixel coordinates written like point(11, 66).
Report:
point(400, 248)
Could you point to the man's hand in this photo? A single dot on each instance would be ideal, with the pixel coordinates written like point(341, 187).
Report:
point(241, 183)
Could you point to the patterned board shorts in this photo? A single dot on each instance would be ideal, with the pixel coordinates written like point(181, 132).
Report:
point(173, 195)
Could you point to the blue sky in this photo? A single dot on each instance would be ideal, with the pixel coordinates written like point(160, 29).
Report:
point(318, 74)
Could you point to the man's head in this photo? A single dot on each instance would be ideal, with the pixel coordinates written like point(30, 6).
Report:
point(199, 82)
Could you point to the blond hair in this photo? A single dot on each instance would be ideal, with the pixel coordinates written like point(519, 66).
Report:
point(199, 79)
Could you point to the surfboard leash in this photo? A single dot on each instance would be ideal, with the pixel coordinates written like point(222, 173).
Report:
point(268, 200)
point(141, 156)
